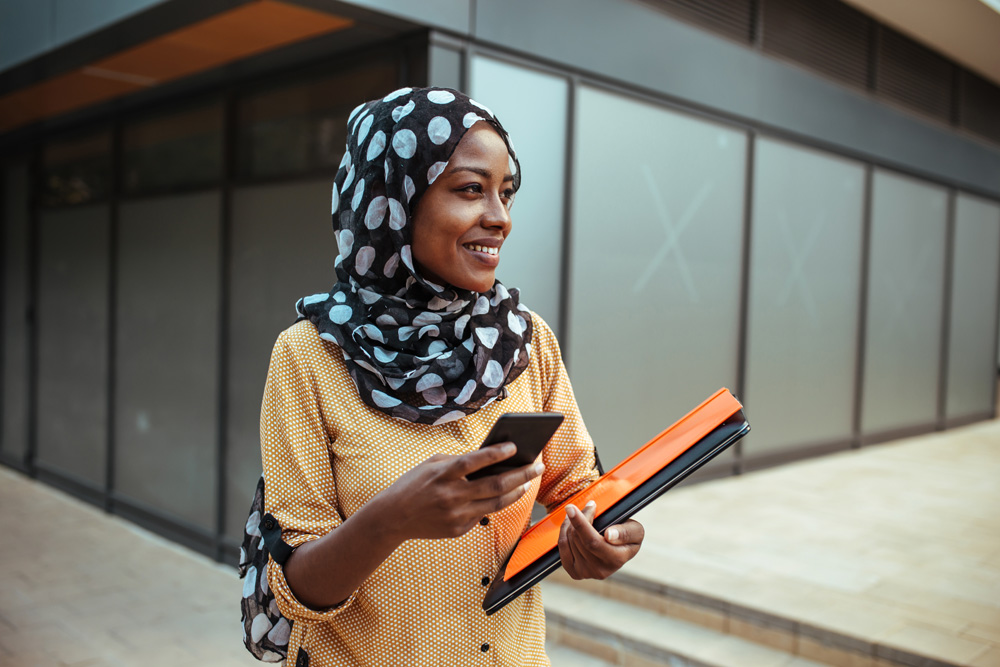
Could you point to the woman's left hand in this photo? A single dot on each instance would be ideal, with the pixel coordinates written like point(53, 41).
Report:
point(586, 554)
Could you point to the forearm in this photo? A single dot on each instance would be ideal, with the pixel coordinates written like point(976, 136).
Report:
point(325, 572)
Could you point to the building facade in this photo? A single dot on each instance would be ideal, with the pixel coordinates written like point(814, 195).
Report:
point(789, 199)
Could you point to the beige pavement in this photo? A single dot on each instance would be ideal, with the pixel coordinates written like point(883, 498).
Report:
point(897, 544)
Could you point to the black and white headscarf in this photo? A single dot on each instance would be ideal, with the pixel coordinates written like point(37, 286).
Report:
point(417, 351)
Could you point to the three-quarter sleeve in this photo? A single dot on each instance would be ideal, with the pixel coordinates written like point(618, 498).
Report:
point(570, 457)
point(300, 489)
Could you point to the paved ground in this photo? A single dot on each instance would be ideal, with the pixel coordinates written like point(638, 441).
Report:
point(901, 541)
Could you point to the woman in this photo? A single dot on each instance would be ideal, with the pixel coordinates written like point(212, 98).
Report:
point(378, 399)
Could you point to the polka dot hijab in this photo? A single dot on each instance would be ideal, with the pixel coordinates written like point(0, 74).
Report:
point(417, 351)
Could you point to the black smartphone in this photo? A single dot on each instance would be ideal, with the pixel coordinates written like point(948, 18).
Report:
point(528, 430)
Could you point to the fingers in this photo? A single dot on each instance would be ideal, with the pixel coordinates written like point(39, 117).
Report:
point(566, 554)
point(482, 457)
point(498, 485)
point(630, 532)
point(590, 554)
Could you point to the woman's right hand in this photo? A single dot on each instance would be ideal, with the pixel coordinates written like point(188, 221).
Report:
point(434, 500)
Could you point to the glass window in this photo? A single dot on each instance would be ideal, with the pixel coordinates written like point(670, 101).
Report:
point(536, 121)
point(73, 341)
point(805, 272)
point(905, 292)
point(76, 171)
point(302, 127)
point(174, 152)
point(971, 354)
point(656, 248)
point(166, 364)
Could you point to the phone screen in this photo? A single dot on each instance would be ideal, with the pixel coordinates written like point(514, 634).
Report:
point(530, 431)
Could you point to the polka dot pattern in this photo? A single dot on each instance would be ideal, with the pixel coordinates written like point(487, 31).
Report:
point(397, 147)
point(423, 605)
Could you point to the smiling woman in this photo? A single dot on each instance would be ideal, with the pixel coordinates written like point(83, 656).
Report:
point(379, 397)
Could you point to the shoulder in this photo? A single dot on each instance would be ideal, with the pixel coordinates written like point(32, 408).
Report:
point(544, 344)
point(301, 345)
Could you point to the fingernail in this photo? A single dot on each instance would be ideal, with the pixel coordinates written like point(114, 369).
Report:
point(526, 487)
point(509, 448)
point(591, 503)
point(613, 534)
point(571, 511)
point(539, 468)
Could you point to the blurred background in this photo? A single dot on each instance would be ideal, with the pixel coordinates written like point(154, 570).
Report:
point(798, 200)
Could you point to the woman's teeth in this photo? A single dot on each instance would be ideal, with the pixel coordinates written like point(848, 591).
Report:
point(489, 250)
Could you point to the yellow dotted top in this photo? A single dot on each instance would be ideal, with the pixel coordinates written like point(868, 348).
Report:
point(326, 453)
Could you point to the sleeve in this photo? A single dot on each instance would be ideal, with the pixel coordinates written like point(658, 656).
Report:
point(300, 490)
point(570, 458)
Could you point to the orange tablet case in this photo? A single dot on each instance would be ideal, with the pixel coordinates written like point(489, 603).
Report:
point(621, 492)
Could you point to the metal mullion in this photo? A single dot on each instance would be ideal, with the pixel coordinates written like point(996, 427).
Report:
point(996, 338)
point(230, 132)
point(745, 258)
point(114, 213)
point(34, 270)
point(949, 278)
point(4, 233)
point(859, 368)
point(566, 256)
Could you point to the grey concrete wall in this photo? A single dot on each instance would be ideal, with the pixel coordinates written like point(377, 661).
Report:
point(30, 28)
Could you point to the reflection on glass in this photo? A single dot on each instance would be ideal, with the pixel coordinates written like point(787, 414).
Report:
point(655, 284)
point(303, 127)
point(76, 171)
point(905, 292)
point(972, 364)
point(166, 153)
point(805, 271)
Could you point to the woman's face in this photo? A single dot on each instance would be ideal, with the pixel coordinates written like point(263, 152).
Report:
point(463, 218)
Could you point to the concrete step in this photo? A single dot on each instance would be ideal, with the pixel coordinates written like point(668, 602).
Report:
point(728, 618)
point(625, 634)
point(563, 656)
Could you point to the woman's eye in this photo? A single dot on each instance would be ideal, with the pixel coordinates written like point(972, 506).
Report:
point(474, 188)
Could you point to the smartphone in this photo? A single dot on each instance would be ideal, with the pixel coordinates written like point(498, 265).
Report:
point(530, 431)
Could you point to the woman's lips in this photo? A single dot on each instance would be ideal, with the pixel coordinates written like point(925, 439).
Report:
point(489, 255)
point(489, 250)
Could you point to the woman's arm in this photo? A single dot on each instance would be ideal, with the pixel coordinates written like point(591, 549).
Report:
point(433, 500)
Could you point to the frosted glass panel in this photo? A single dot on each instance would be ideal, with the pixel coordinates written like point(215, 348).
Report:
point(658, 213)
point(804, 287)
point(535, 117)
point(972, 366)
point(905, 287)
point(282, 249)
point(73, 341)
point(14, 442)
point(167, 355)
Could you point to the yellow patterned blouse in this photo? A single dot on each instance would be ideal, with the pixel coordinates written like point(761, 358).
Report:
point(326, 453)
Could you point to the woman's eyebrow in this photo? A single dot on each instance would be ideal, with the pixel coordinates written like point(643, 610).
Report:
point(485, 173)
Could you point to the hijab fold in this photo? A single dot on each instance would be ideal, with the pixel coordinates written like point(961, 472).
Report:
point(418, 351)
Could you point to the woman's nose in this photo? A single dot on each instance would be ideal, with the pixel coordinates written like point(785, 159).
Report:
point(497, 215)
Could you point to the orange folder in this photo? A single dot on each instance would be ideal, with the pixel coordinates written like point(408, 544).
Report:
point(645, 475)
